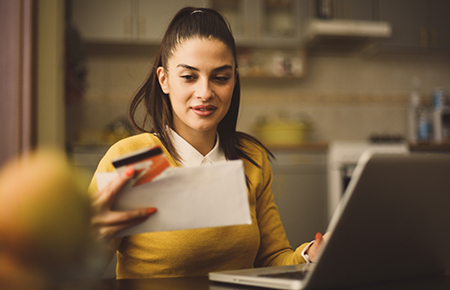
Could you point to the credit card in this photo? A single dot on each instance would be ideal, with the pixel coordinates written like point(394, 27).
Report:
point(148, 163)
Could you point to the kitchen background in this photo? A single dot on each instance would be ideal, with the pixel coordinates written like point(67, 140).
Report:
point(341, 88)
point(344, 94)
point(344, 97)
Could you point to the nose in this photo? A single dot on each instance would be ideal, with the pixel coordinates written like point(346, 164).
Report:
point(203, 90)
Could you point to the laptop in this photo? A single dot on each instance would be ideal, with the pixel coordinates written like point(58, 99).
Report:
point(392, 223)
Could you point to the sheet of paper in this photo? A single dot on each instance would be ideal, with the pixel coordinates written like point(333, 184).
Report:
point(187, 198)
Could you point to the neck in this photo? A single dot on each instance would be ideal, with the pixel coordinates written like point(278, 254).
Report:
point(203, 142)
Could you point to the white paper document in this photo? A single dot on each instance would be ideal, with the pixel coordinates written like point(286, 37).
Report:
point(187, 198)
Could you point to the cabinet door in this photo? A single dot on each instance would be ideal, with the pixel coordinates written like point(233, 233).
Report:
point(236, 14)
point(301, 201)
point(154, 16)
point(439, 24)
point(103, 20)
point(267, 22)
point(409, 19)
point(276, 21)
point(300, 192)
point(353, 9)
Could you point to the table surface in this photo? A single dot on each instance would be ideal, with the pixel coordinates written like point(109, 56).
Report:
point(202, 283)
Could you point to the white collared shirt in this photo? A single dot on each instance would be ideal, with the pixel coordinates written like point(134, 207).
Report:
point(190, 157)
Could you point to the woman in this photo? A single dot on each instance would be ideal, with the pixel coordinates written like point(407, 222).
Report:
point(192, 97)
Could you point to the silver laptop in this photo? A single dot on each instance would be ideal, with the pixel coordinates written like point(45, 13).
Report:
point(392, 223)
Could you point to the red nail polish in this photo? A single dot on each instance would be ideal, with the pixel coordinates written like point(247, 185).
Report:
point(130, 171)
point(151, 210)
point(318, 236)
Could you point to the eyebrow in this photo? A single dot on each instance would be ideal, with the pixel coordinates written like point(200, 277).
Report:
point(224, 67)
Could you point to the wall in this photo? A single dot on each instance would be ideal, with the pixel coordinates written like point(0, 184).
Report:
point(347, 97)
point(50, 74)
point(350, 97)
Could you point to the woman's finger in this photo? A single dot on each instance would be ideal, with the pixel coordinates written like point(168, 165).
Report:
point(318, 239)
point(109, 232)
point(112, 218)
point(114, 222)
point(312, 251)
point(107, 195)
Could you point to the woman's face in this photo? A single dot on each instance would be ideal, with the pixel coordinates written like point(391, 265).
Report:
point(200, 82)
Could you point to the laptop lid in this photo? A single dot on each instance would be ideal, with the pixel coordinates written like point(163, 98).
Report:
point(392, 224)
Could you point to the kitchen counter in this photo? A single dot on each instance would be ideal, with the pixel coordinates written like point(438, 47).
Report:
point(306, 147)
point(430, 147)
point(324, 146)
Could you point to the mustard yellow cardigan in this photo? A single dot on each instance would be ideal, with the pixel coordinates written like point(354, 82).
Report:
point(200, 251)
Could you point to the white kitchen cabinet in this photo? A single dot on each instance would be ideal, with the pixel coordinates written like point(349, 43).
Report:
point(417, 24)
point(154, 16)
point(262, 22)
point(342, 26)
point(253, 22)
point(269, 25)
point(300, 191)
point(126, 21)
point(103, 20)
point(352, 9)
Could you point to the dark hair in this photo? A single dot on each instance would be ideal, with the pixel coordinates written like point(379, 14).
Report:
point(190, 23)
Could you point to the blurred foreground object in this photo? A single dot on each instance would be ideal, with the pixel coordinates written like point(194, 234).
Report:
point(44, 221)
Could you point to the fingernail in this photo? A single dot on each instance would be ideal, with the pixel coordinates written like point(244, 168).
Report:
point(130, 171)
point(318, 236)
point(151, 210)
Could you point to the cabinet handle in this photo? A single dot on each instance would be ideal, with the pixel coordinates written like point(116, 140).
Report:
point(434, 38)
point(423, 37)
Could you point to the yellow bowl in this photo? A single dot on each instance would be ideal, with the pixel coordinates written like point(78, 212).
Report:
point(282, 133)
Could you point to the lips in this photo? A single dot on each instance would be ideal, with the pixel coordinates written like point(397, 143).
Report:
point(203, 110)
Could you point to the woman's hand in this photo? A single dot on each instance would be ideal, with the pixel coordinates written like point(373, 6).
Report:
point(314, 249)
point(108, 223)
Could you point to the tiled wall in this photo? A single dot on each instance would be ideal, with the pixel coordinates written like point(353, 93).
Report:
point(346, 97)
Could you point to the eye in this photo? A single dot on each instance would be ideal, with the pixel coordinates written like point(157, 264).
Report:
point(188, 77)
point(222, 79)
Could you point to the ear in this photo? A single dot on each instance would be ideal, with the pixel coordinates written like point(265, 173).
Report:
point(162, 78)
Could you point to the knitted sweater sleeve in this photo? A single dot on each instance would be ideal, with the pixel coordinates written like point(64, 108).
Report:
point(275, 249)
point(122, 147)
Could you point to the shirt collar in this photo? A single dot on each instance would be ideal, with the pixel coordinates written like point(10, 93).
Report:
point(190, 157)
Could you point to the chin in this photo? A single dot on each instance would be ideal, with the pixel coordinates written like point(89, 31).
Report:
point(205, 128)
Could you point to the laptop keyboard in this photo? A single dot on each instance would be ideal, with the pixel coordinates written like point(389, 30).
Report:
point(296, 275)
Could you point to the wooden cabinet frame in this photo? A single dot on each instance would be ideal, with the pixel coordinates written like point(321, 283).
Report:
point(17, 130)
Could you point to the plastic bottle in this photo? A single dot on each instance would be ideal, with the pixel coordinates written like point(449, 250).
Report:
point(439, 98)
point(424, 124)
point(441, 115)
point(413, 110)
